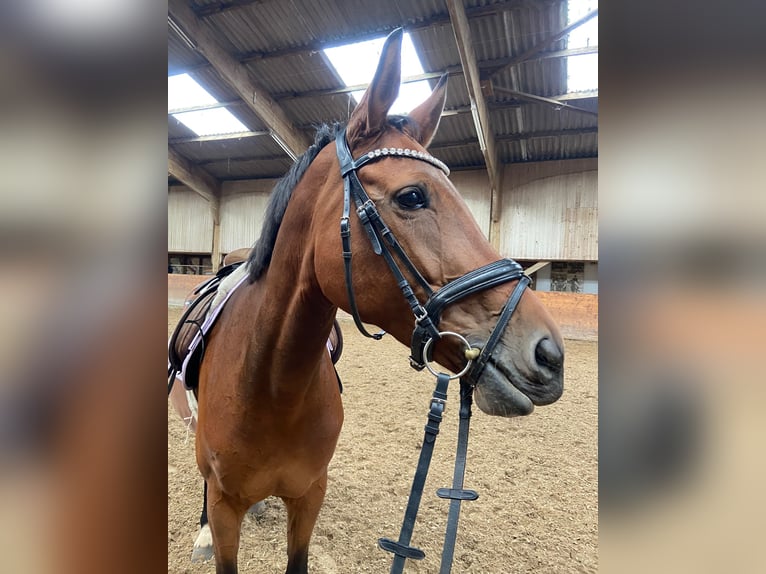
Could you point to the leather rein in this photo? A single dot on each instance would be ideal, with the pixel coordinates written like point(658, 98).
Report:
point(426, 332)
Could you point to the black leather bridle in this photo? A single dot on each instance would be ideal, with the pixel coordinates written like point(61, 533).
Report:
point(426, 332)
point(384, 243)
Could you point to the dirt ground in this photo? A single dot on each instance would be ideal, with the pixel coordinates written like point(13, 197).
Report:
point(536, 476)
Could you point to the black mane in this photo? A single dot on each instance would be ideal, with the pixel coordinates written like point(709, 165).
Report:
point(260, 257)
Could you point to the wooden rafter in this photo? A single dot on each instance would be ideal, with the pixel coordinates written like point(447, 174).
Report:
point(545, 44)
point(519, 137)
point(218, 137)
point(224, 6)
point(194, 177)
point(478, 104)
point(450, 71)
point(556, 103)
point(236, 75)
point(479, 109)
point(203, 107)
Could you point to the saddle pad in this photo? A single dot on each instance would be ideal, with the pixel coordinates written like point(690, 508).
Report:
point(188, 338)
point(196, 348)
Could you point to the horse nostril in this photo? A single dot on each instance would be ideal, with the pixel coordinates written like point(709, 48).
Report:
point(548, 354)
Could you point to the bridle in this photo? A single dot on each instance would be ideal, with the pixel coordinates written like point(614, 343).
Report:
point(384, 243)
point(426, 332)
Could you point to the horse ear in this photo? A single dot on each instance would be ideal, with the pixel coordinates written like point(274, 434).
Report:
point(370, 115)
point(427, 115)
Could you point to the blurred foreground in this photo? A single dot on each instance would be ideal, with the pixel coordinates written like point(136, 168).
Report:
point(682, 289)
point(83, 267)
point(82, 288)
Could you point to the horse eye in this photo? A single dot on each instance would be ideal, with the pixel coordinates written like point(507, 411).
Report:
point(412, 198)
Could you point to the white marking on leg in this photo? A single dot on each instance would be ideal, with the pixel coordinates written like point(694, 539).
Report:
point(205, 537)
point(203, 546)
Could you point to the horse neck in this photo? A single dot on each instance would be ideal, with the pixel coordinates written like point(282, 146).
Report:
point(293, 318)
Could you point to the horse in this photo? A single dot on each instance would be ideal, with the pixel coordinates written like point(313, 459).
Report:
point(270, 409)
point(185, 406)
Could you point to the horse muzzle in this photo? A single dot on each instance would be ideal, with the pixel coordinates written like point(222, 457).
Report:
point(513, 384)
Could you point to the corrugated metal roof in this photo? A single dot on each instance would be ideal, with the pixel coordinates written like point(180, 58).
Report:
point(243, 148)
point(238, 169)
point(279, 44)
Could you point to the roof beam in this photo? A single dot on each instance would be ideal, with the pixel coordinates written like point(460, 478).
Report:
point(450, 71)
point(203, 107)
point(194, 177)
point(488, 66)
point(479, 109)
point(236, 75)
point(558, 104)
point(241, 160)
point(545, 44)
point(218, 137)
point(219, 7)
point(588, 94)
point(519, 137)
point(565, 53)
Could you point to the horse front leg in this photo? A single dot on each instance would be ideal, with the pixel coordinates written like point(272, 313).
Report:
point(203, 545)
point(302, 514)
point(225, 516)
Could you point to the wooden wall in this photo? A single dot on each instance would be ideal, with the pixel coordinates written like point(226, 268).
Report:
point(548, 210)
point(190, 222)
point(242, 207)
point(474, 187)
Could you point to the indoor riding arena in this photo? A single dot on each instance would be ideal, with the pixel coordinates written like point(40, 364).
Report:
point(249, 84)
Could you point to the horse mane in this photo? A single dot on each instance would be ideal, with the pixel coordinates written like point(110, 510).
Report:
point(260, 256)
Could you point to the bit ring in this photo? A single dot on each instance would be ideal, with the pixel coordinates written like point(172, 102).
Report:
point(467, 347)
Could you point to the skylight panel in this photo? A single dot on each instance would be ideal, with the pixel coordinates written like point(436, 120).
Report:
point(582, 71)
point(185, 92)
point(356, 64)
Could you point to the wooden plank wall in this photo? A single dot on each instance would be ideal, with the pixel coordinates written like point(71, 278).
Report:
point(550, 211)
point(190, 222)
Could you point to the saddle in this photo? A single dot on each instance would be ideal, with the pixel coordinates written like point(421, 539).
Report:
point(188, 338)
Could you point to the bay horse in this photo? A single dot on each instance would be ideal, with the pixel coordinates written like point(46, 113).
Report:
point(270, 410)
point(185, 404)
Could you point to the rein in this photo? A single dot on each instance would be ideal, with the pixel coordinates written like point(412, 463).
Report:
point(427, 317)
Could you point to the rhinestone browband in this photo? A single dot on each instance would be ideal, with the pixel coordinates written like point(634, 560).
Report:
point(411, 153)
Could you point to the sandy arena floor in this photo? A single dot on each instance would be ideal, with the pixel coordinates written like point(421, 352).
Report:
point(536, 476)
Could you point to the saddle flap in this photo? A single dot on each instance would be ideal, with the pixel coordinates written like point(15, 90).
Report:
point(189, 326)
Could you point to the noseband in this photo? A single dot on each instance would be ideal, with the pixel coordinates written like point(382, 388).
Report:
point(428, 315)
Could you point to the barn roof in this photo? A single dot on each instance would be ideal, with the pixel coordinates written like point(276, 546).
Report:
point(263, 60)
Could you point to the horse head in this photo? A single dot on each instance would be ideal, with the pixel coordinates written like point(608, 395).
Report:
point(415, 200)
